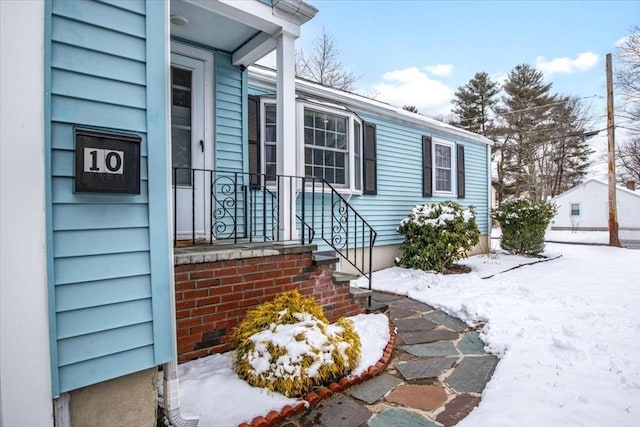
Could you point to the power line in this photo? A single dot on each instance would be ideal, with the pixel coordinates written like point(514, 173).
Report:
point(549, 105)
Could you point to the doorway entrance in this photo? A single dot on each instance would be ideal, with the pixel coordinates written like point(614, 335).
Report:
point(191, 140)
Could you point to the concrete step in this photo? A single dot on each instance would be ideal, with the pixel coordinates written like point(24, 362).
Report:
point(321, 259)
point(339, 277)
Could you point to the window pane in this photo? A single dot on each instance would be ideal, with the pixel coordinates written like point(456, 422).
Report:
point(270, 153)
point(308, 118)
point(329, 175)
point(308, 136)
point(341, 142)
point(270, 133)
point(443, 180)
point(331, 123)
point(319, 138)
point(329, 157)
point(340, 160)
point(443, 156)
point(357, 160)
point(270, 113)
point(318, 122)
point(317, 172)
point(181, 124)
point(339, 176)
point(341, 125)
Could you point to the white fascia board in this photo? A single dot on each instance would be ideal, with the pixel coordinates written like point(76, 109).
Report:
point(254, 49)
point(253, 13)
point(265, 76)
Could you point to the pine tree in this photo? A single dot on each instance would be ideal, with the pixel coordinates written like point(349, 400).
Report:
point(545, 152)
point(570, 157)
point(474, 103)
point(525, 112)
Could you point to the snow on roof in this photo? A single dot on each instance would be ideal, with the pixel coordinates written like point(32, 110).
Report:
point(584, 184)
point(268, 75)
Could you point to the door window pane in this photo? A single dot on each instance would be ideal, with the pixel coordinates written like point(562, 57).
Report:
point(181, 93)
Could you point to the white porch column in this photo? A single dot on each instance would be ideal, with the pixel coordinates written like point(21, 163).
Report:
point(286, 126)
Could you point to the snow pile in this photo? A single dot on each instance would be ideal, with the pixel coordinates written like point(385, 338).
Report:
point(211, 390)
point(287, 345)
point(279, 352)
point(436, 215)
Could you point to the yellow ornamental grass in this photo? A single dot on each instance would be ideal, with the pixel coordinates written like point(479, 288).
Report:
point(288, 346)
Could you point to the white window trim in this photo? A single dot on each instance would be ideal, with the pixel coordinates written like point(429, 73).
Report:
point(352, 118)
point(454, 168)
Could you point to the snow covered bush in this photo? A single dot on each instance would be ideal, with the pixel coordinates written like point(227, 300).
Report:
point(437, 235)
point(524, 223)
point(288, 346)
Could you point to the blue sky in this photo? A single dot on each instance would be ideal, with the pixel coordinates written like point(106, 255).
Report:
point(419, 52)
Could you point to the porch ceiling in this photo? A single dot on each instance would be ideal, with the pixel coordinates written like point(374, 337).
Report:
point(247, 29)
point(206, 27)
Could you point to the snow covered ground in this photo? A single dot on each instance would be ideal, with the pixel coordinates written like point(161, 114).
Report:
point(567, 332)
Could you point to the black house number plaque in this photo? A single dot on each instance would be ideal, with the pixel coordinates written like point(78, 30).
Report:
point(107, 162)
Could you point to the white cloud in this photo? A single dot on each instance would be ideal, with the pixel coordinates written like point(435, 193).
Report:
point(412, 86)
point(441, 70)
point(621, 41)
point(583, 62)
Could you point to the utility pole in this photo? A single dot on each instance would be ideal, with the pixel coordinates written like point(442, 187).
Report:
point(613, 213)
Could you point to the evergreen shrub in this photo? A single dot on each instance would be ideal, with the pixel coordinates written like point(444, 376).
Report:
point(524, 223)
point(288, 346)
point(437, 235)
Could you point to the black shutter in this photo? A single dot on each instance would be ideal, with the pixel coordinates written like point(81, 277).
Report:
point(460, 170)
point(254, 139)
point(370, 156)
point(427, 167)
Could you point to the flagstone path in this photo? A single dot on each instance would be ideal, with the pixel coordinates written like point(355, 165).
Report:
point(434, 378)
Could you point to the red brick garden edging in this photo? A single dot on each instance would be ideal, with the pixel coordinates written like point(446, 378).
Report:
point(273, 418)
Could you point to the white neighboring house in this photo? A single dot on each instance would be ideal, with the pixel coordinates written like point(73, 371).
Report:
point(586, 208)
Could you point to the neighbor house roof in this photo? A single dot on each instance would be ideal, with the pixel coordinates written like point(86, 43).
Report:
point(597, 181)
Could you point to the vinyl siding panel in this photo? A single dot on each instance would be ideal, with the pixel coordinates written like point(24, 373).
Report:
point(111, 366)
point(228, 120)
point(103, 288)
point(75, 296)
point(400, 189)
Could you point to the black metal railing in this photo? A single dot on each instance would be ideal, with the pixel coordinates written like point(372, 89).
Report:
point(214, 205)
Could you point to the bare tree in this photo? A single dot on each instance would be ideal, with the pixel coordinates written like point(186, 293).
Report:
point(628, 81)
point(628, 78)
point(323, 65)
point(628, 155)
point(411, 108)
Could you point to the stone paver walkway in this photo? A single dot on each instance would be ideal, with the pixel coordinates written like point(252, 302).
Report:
point(434, 378)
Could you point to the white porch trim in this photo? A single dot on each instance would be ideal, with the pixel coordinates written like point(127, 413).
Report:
point(286, 125)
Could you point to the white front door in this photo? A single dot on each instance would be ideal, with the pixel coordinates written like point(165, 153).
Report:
point(191, 141)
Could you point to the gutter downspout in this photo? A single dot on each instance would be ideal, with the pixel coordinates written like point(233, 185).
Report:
point(172, 397)
point(170, 370)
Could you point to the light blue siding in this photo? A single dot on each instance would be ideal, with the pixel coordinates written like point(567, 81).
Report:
point(76, 296)
point(114, 365)
point(110, 295)
point(228, 121)
point(400, 189)
point(91, 346)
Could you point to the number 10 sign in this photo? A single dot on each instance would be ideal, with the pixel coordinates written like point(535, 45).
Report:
point(107, 162)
